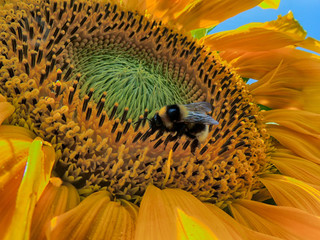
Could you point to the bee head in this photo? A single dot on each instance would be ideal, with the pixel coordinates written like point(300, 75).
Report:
point(156, 122)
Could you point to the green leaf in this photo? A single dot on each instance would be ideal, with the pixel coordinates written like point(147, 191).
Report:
point(263, 107)
point(201, 32)
point(245, 79)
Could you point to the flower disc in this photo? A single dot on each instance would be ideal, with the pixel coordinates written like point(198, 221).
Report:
point(85, 75)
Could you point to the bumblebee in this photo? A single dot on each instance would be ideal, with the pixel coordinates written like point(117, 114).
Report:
point(190, 120)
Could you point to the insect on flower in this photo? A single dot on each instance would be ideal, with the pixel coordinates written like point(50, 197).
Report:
point(190, 120)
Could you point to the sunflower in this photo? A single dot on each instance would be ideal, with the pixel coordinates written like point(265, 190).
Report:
point(78, 81)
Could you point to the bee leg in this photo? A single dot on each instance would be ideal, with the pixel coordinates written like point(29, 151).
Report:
point(195, 143)
point(180, 132)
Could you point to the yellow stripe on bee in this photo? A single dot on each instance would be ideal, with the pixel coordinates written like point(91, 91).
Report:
point(183, 111)
point(164, 117)
point(162, 112)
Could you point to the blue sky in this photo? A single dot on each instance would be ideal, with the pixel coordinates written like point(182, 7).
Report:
point(307, 12)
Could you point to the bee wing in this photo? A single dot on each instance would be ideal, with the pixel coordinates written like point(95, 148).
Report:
point(202, 107)
point(198, 117)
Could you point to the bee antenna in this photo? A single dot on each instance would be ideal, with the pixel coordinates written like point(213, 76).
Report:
point(142, 120)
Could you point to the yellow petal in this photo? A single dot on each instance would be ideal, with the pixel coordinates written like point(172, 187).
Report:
point(6, 109)
point(284, 67)
point(139, 5)
point(191, 228)
point(310, 44)
point(287, 191)
point(2, 98)
point(166, 10)
point(13, 157)
point(15, 132)
point(208, 13)
point(270, 4)
point(284, 222)
point(158, 215)
point(252, 37)
point(96, 217)
point(193, 14)
point(303, 145)
point(56, 199)
point(291, 165)
point(279, 98)
point(288, 78)
point(300, 121)
point(243, 231)
point(34, 180)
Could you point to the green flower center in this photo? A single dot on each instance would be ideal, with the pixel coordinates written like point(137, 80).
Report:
point(129, 80)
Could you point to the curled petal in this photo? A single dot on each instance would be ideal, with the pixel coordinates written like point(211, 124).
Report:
point(96, 217)
point(35, 178)
point(310, 44)
point(280, 33)
point(287, 191)
point(283, 222)
point(244, 232)
point(208, 13)
point(291, 165)
point(15, 132)
point(204, 13)
point(56, 199)
point(303, 145)
point(13, 157)
point(300, 121)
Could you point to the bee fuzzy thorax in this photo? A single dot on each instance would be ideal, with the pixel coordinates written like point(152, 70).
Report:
point(171, 114)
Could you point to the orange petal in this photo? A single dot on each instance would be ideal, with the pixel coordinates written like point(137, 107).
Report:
point(158, 216)
point(6, 109)
point(139, 5)
point(13, 157)
point(279, 98)
point(15, 132)
point(310, 44)
point(300, 121)
point(287, 191)
point(288, 78)
point(291, 165)
point(166, 10)
point(243, 231)
point(96, 217)
point(284, 222)
point(253, 37)
point(303, 145)
point(35, 178)
point(56, 199)
point(193, 14)
point(208, 13)
point(191, 228)
point(299, 67)
point(2, 98)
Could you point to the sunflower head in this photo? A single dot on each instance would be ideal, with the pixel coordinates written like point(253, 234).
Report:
point(84, 76)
